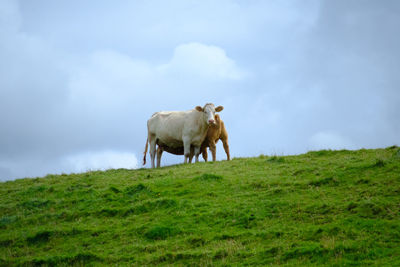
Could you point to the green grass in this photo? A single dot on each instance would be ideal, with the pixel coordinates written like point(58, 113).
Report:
point(329, 208)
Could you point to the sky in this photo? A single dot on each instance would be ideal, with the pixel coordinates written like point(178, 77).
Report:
point(80, 79)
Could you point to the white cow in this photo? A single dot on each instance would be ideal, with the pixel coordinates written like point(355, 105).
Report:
point(180, 128)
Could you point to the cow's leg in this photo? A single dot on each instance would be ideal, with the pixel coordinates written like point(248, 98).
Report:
point(224, 138)
point(186, 149)
point(159, 154)
point(204, 152)
point(197, 153)
point(152, 142)
point(213, 149)
point(191, 154)
point(226, 148)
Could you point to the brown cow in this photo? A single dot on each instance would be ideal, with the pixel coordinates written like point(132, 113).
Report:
point(215, 132)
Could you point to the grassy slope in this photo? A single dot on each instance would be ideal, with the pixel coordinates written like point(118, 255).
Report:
point(324, 207)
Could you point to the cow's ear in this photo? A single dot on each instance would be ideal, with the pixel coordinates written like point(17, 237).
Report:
point(219, 108)
point(198, 108)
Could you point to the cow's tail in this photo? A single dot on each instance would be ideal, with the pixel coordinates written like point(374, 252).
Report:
point(145, 151)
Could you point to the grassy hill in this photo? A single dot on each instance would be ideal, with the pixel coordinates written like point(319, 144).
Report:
point(320, 208)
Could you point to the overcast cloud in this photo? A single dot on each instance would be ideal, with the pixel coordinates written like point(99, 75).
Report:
point(79, 79)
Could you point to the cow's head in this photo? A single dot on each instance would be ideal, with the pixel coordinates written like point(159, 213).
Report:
point(209, 112)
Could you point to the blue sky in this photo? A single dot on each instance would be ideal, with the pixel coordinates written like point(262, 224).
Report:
point(79, 79)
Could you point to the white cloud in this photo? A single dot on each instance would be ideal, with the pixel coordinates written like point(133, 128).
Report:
point(110, 76)
point(109, 82)
point(202, 61)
